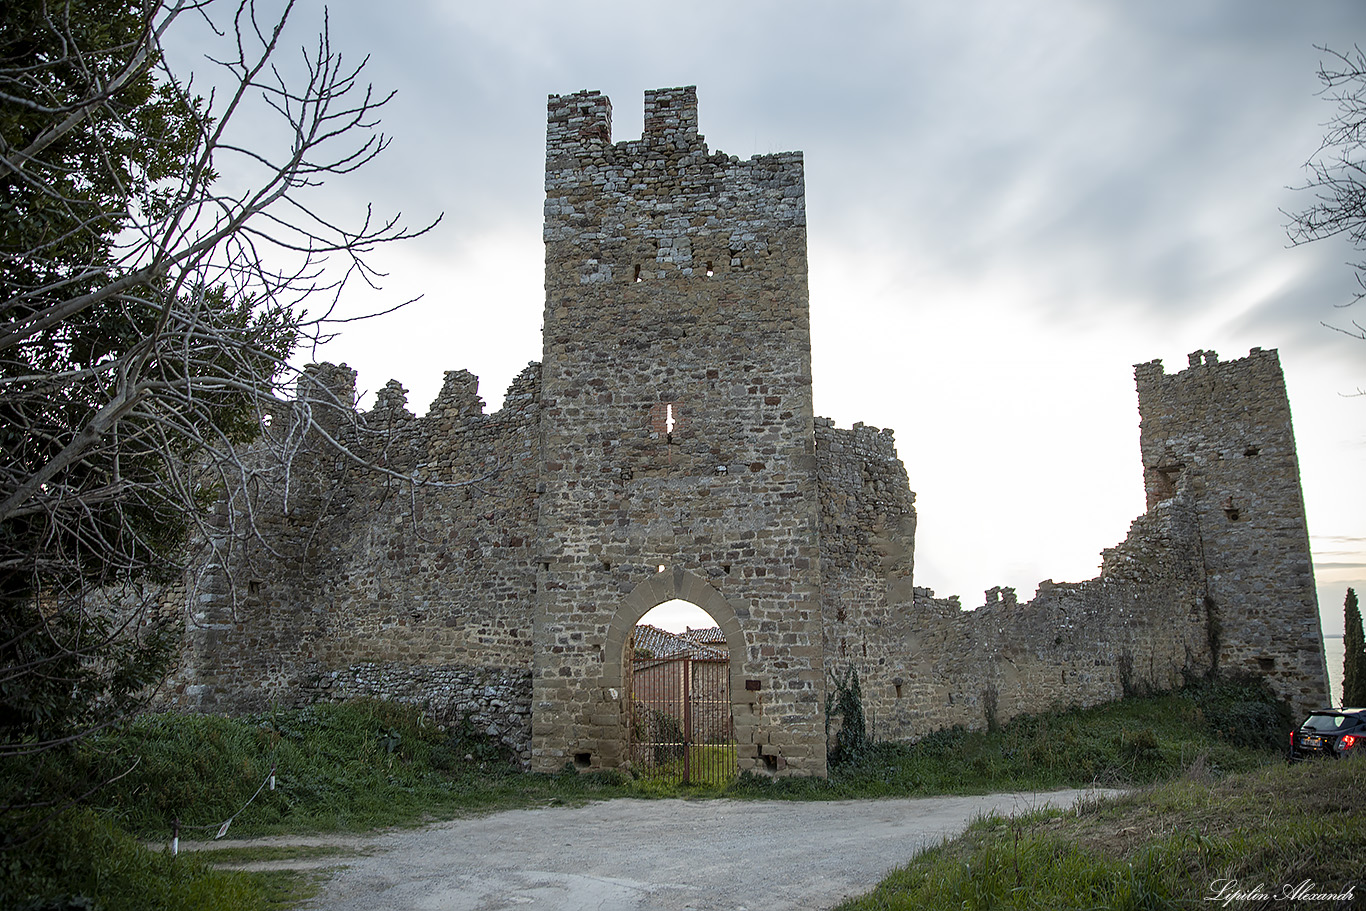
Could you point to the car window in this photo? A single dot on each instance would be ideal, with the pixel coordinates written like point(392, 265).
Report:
point(1326, 722)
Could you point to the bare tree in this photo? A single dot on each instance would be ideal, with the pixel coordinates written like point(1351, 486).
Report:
point(149, 308)
point(1337, 170)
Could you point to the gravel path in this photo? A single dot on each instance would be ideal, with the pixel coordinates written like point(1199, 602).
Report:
point(652, 855)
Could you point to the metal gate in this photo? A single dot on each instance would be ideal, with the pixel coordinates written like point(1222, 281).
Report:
point(679, 728)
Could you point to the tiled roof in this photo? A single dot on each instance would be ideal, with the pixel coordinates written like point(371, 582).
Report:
point(664, 644)
point(708, 635)
point(659, 643)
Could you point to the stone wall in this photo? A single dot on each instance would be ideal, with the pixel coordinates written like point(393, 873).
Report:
point(335, 579)
point(1139, 627)
point(495, 701)
point(868, 526)
point(492, 566)
point(1216, 574)
point(925, 663)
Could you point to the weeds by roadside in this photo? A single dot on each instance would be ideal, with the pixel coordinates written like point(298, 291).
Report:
point(1174, 845)
point(80, 862)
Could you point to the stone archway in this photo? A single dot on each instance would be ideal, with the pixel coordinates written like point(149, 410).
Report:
point(580, 706)
point(668, 585)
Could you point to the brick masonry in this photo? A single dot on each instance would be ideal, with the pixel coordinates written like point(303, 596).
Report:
point(665, 446)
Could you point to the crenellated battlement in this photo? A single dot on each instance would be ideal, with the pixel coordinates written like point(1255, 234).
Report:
point(663, 208)
point(575, 122)
point(671, 117)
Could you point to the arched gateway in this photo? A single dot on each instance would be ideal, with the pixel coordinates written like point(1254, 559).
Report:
point(672, 584)
point(758, 686)
point(678, 706)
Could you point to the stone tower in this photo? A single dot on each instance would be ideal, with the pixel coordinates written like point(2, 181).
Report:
point(1217, 437)
point(676, 428)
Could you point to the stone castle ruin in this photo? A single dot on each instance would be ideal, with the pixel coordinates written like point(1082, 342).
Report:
point(665, 447)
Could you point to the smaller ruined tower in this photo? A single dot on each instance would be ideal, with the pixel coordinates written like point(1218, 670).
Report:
point(1218, 438)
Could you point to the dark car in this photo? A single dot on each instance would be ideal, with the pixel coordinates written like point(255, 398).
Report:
point(1330, 732)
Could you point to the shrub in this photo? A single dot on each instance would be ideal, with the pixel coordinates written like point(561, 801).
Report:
point(80, 861)
point(846, 703)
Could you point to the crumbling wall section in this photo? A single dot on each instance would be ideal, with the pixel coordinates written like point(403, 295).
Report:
point(1140, 626)
point(867, 557)
point(401, 570)
point(1215, 575)
point(257, 577)
point(925, 663)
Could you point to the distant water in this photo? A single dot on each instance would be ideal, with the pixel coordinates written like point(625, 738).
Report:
point(1333, 652)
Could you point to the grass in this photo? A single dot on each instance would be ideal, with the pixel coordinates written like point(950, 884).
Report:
point(236, 855)
point(81, 858)
point(366, 765)
point(351, 767)
point(1233, 725)
point(711, 767)
point(1174, 845)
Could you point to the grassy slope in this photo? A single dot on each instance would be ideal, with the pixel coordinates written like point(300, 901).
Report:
point(1230, 726)
point(1174, 845)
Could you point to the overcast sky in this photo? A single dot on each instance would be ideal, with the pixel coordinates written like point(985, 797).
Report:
point(1009, 205)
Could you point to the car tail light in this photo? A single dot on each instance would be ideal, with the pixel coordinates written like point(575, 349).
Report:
point(1348, 740)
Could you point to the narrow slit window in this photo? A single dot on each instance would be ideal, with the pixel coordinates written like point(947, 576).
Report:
point(666, 420)
point(637, 276)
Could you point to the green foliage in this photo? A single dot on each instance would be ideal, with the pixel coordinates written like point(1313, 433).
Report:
point(364, 764)
point(85, 669)
point(82, 861)
point(98, 154)
point(1353, 654)
point(338, 767)
point(846, 703)
point(1240, 710)
point(83, 185)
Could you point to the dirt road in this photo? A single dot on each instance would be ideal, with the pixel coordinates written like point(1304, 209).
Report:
point(652, 855)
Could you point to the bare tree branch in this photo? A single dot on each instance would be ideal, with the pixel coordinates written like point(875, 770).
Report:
point(1337, 169)
point(150, 311)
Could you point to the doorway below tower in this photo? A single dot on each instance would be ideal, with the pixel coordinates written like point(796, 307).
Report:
point(679, 728)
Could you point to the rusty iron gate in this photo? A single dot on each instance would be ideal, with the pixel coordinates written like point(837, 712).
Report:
point(680, 728)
